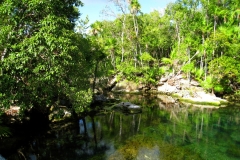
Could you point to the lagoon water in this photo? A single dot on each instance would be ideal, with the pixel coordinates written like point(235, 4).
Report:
point(161, 131)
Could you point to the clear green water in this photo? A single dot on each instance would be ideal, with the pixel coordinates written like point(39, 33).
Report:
point(160, 132)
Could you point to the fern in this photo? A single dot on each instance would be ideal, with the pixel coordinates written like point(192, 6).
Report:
point(167, 61)
point(208, 83)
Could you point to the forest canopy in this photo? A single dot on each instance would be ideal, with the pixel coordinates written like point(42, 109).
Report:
point(45, 59)
point(199, 38)
point(42, 58)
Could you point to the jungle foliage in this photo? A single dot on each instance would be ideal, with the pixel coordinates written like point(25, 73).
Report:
point(199, 38)
point(42, 59)
point(47, 57)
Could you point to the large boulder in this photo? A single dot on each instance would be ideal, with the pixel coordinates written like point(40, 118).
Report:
point(166, 99)
point(128, 107)
point(163, 79)
point(166, 88)
point(184, 84)
point(99, 98)
point(171, 82)
point(195, 83)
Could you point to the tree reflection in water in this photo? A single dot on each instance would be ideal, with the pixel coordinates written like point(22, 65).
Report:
point(163, 130)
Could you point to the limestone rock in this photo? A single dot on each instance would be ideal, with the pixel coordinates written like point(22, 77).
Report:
point(171, 82)
point(184, 83)
point(166, 99)
point(194, 83)
point(179, 77)
point(163, 79)
point(166, 88)
point(160, 83)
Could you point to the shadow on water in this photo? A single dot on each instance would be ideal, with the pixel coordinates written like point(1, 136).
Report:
point(162, 131)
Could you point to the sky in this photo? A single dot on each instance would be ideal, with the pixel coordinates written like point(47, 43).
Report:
point(93, 8)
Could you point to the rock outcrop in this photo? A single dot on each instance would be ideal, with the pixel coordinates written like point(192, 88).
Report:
point(185, 90)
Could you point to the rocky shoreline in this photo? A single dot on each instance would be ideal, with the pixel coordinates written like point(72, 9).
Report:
point(177, 87)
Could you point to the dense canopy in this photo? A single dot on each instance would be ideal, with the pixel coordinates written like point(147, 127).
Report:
point(44, 59)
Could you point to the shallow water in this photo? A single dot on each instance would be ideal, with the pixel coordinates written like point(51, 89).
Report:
point(161, 131)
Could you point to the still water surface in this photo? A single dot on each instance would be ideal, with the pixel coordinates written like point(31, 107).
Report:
point(161, 131)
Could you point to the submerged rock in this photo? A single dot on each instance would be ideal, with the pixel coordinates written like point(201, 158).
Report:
point(128, 107)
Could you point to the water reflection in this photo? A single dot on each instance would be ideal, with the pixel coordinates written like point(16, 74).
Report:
point(162, 131)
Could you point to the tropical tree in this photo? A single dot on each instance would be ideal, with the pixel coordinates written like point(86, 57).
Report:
point(192, 37)
point(40, 54)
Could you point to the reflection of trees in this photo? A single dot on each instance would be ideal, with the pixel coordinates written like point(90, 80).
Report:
point(209, 125)
point(82, 126)
point(139, 122)
point(120, 126)
point(179, 124)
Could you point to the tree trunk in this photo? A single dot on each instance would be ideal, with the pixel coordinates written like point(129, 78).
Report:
point(95, 77)
point(189, 61)
point(122, 37)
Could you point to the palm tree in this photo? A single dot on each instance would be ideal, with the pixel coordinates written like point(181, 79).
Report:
point(134, 7)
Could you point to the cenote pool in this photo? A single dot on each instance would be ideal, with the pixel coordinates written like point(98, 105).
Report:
point(162, 131)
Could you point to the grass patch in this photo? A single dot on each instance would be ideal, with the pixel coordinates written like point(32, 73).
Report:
point(217, 103)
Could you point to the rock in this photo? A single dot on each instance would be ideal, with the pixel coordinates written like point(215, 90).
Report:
point(184, 83)
point(123, 104)
point(166, 88)
point(166, 99)
point(203, 98)
point(96, 91)
point(128, 107)
point(99, 98)
point(112, 82)
point(133, 106)
point(178, 87)
point(13, 111)
point(179, 77)
point(160, 83)
point(161, 105)
point(171, 82)
point(171, 75)
point(146, 88)
point(153, 88)
point(185, 94)
point(203, 95)
point(140, 86)
point(194, 83)
point(163, 79)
